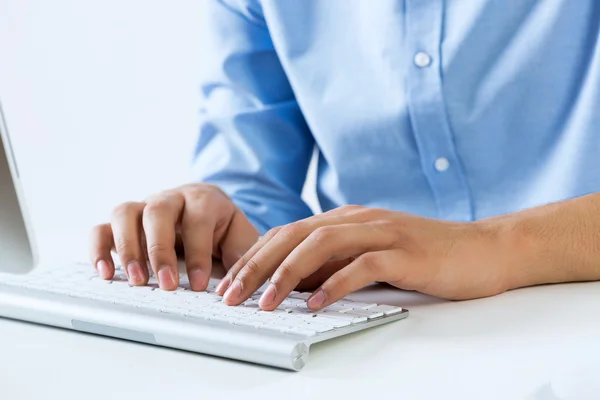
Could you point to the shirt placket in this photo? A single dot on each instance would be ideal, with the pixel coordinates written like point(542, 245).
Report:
point(433, 135)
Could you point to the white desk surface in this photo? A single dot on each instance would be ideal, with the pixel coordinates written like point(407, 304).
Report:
point(539, 343)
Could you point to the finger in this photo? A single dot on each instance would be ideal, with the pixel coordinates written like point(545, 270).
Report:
point(257, 269)
point(270, 253)
point(225, 283)
point(126, 229)
point(101, 243)
point(317, 278)
point(334, 242)
point(159, 219)
point(197, 230)
point(350, 213)
point(366, 269)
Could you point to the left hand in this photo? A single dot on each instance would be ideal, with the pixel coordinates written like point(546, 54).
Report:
point(355, 246)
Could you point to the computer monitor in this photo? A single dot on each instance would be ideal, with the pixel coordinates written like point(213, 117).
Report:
point(17, 249)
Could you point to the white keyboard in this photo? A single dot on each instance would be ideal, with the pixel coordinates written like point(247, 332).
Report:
point(74, 297)
point(291, 317)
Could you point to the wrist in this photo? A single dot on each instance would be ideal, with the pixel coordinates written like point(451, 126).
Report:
point(513, 249)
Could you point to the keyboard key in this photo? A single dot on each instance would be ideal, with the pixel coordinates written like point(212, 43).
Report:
point(273, 328)
point(173, 310)
point(289, 303)
point(300, 332)
point(353, 319)
point(190, 294)
point(335, 322)
point(303, 309)
point(264, 316)
point(244, 310)
point(339, 307)
point(249, 323)
point(319, 328)
point(370, 314)
point(142, 288)
point(386, 310)
point(58, 290)
point(96, 296)
point(197, 315)
point(147, 306)
point(78, 294)
point(222, 318)
point(208, 296)
point(198, 307)
point(356, 304)
point(290, 321)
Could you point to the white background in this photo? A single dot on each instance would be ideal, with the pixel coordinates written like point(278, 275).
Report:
point(101, 100)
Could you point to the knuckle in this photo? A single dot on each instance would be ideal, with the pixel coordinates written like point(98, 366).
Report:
point(285, 271)
point(156, 207)
point(202, 189)
point(272, 232)
point(160, 195)
point(323, 234)
point(214, 190)
point(249, 270)
point(291, 231)
point(125, 209)
point(208, 187)
point(125, 247)
point(241, 263)
point(196, 192)
point(157, 250)
point(371, 262)
point(251, 267)
point(217, 190)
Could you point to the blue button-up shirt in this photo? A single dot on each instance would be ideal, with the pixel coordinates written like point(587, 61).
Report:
point(456, 109)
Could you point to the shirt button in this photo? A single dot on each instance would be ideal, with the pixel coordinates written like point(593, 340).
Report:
point(422, 59)
point(442, 164)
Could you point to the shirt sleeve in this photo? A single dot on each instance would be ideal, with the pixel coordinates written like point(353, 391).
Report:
point(254, 142)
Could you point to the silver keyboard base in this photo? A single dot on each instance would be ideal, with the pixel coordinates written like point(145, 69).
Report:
point(220, 339)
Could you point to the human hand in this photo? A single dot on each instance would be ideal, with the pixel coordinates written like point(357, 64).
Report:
point(199, 217)
point(445, 259)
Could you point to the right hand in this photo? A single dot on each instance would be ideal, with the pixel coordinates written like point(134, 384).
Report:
point(199, 217)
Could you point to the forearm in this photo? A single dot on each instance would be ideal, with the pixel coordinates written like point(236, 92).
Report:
point(558, 242)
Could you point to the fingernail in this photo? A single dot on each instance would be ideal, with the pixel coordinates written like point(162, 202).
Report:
point(317, 300)
point(166, 280)
point(197, 278)
point(234, 291)
point(136, 276)
point(102, 267)
point(223, 285)
point(268, 296)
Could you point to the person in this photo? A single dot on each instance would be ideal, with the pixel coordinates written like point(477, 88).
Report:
point(457, 147)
